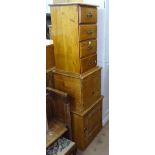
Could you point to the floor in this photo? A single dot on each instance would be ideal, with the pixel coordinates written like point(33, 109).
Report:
point(100, 145)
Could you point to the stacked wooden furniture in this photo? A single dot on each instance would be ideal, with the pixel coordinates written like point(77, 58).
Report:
point(58, 122)
point(74, 32)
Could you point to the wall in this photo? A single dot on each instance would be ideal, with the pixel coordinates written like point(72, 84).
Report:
point(103, 51)
point(47, 7)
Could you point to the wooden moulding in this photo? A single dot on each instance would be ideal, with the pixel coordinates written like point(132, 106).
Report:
point(76, 75)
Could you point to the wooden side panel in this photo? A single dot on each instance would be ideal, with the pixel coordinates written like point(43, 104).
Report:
point(50, 56)
point(66, 37)
point(91, 88)
point(72, 86)
point(87, 14)
point(78, 130)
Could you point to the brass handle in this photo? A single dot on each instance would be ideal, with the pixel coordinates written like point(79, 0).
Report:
point(89, 32)
point(90, 47)
point(91, 62)
point(89, 15)
point(85, 129)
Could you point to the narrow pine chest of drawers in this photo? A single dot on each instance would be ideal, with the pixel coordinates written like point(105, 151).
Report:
point(74, 32)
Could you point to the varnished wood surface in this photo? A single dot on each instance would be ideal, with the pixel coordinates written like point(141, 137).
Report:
point(87, 48)
point(88, 31)
point(66, 37)
point(56, 130)
point(91, 86)
point(83, 89)
point(86, 127)
point(87, 14)
point(58, 109)
point(88, 63)
point(76, 75)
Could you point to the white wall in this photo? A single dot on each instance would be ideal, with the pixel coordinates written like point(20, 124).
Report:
point(47, 7)
point(103, 51)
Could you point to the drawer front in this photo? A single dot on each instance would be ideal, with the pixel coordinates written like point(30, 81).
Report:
point(88, 63)
point(93, 122)
point(87, 32)
point(91, 88)
point(87, 14)
point(87, 48)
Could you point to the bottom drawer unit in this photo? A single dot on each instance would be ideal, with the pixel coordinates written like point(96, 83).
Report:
point(86, 126)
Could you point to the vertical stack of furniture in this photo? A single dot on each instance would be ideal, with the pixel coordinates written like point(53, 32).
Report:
point(74, 32)
point(58, 119)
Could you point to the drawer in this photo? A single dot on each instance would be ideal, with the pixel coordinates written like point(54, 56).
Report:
point(88, 63)
point(86, 127)
point(92, 121)
point(91, 86)
point(88, 48)
point(87, 32)
point(87, 14)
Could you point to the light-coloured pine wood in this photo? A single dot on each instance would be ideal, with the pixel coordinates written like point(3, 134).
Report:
point(58, 129)
point(67, 34)
point(66, 37)
point(87, 14)
point(85, 127)
point(84, 89)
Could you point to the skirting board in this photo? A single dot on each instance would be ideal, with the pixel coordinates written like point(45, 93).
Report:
point(105, 118)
